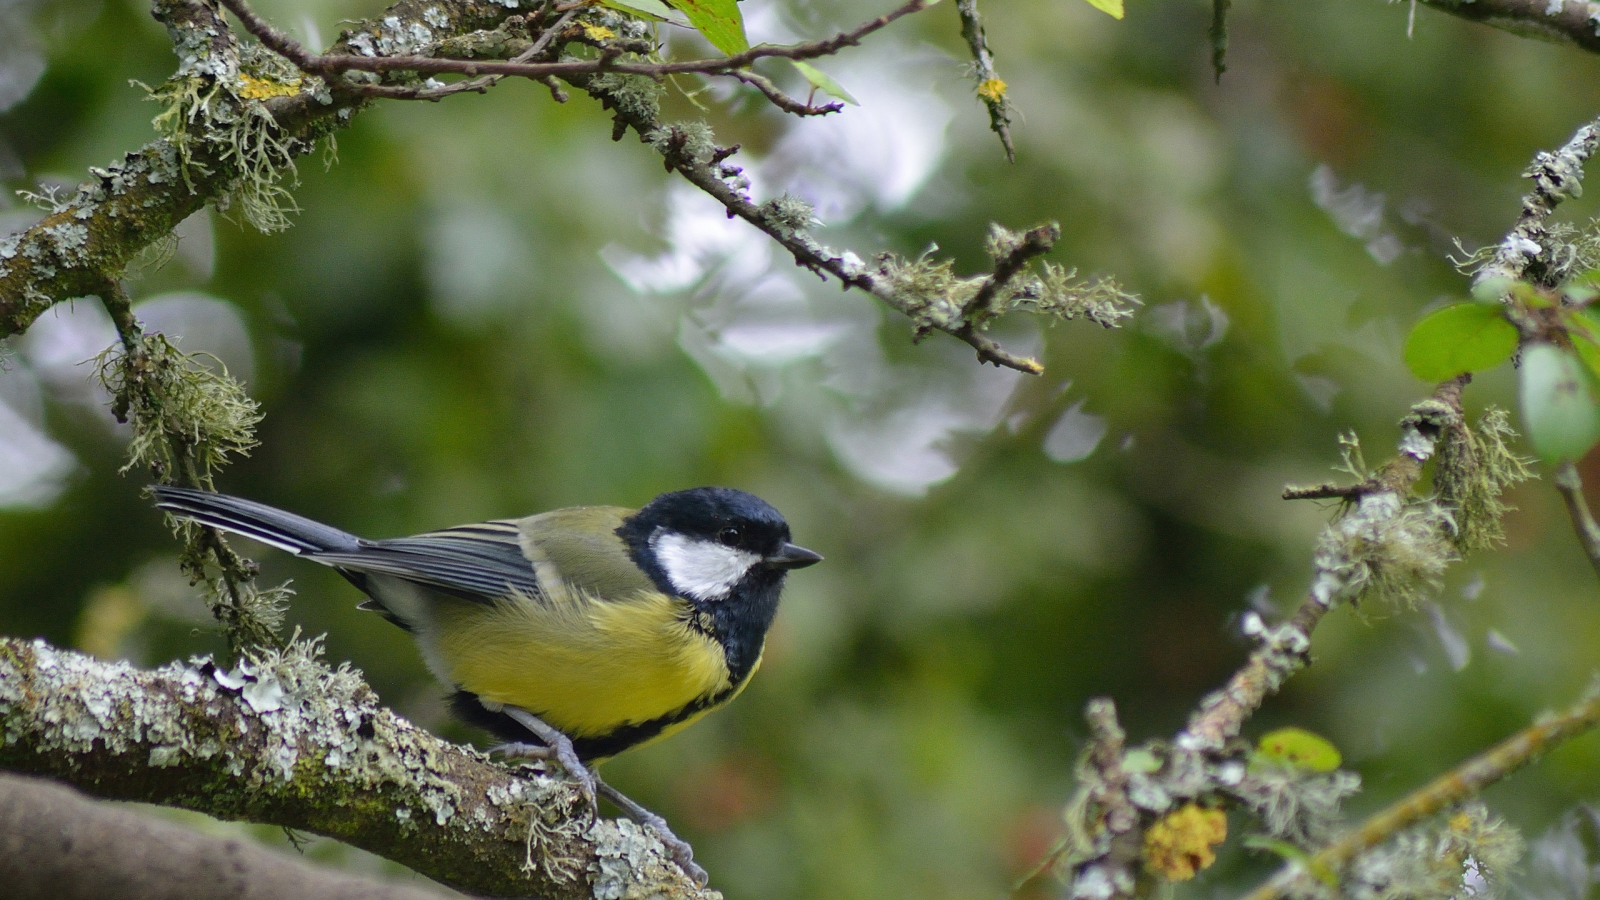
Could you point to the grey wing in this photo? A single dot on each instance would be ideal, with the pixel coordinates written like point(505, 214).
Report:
point(482, 563)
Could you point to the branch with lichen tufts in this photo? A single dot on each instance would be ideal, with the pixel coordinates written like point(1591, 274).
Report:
point(1527, 252)
point(189, 417)
point(217, 147)
point(1149, 812)
point(236, 118)
point(926, 290)
point(1493, 848)
point(284, 740)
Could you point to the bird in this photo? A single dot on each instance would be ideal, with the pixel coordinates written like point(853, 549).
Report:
point(593, 629)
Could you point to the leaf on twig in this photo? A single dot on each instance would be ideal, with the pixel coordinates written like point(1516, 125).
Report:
point(1558, 403)
point(1112, 8)
point(823, 82)
point(719, 20)
point(1300, 748)
point(1466, 337)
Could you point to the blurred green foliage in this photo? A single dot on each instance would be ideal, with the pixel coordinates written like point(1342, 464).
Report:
point(440, 338)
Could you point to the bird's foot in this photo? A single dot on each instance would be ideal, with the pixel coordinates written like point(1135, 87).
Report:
point(557, 745)
point(681, 852)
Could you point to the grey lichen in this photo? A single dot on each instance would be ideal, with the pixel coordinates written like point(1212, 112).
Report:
point(630, 864)
point(1385, 549)
point(1294, 803)
point(1474, 467)
point(239, 131)
point(281, 737)
point(1467, 854)
point(790, 213)
point(634, 97)
point(188, 414)
point(928, 290)
point(687, 142)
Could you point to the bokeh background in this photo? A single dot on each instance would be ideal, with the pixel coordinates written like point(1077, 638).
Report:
point(486, 308)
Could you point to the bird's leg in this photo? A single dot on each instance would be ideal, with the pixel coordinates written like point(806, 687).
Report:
point(558, 745)
point(555, 744)
point(682, 853)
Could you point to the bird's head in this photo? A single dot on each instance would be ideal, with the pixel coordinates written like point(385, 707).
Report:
point(708, 543)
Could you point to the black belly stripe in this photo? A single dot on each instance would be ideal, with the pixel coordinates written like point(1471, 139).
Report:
point(590, 749)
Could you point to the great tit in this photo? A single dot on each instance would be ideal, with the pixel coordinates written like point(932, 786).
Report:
point(607, 626)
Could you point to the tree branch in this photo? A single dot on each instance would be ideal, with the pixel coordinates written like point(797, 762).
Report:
point(327, 65)
point(991, 88)
point(91, 238)
point(1524, 253)
point(1464, 782)
point(781, 100)
point(1201, 760)
point(284, 740)
point(56, 844)
point(1563, 21)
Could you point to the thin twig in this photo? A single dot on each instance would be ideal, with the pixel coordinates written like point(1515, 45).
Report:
point(1324, 492)
point(329, 65)
point(1219, 37)
point(1556, 176)
point(1282, 651)
point(1461, 783)
point(1571, 488)
point(711, 176)
point(780, 99)
point(1035, 242)
point(991, 88)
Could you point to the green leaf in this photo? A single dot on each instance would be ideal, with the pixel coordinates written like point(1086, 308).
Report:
point(823, 82)
point(654, 10)
point(1112, 8)
point(1300, 748)
point(719, 20)
point(1466, 337)
point(1558, 404)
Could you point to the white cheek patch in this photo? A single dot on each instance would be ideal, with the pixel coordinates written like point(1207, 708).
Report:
point(704, 570)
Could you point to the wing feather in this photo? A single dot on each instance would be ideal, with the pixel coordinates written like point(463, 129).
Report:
point(482, 563)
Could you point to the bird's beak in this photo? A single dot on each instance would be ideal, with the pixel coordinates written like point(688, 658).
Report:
point(791, 556)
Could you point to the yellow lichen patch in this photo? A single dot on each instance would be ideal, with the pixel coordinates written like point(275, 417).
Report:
point(1180, 844)
point(261, 89)
point(992, 90)
point(598, 32)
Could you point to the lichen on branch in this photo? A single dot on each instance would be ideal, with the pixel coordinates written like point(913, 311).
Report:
point(282, 739)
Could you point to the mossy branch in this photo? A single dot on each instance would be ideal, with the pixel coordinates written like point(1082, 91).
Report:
point(284, 740)
point(230, 132)
point(1387, 543)
point(1526, 253)
point(925, 289)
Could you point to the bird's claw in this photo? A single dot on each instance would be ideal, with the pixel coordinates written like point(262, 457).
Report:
point(558, 745)
point(677, 847)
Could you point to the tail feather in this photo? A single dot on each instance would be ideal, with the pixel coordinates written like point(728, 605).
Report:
point(257, 521)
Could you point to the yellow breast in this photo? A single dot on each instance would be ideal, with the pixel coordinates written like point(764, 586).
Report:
point(585, 666)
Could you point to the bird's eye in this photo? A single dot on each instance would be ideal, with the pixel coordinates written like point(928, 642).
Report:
point(729, 536)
